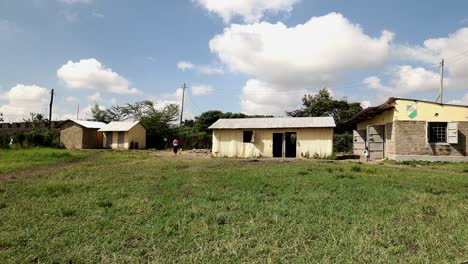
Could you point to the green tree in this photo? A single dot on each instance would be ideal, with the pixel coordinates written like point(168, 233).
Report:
point(323, 104)
point(114, 113)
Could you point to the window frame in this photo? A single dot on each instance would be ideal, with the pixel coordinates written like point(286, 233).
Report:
point(429, 136)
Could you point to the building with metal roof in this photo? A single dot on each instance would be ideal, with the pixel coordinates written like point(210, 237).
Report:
point(290, 137)
point(128, 134)
point(408, 129)
point(80, 134)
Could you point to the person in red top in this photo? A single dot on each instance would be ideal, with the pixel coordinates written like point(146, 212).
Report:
point(175, 146)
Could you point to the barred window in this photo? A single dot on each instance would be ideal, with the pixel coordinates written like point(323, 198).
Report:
point(437, 132)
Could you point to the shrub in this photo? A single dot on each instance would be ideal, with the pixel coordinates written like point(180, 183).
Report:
point(343, 143)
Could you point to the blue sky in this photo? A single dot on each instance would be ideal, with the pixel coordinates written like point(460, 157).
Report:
point(236, 57)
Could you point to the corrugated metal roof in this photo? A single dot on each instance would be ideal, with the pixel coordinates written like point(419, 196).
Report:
point(89, 124)
point(275, 122)
point(119, 126)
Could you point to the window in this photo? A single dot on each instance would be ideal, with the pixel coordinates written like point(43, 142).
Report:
point(437, 132)
point(248, 136)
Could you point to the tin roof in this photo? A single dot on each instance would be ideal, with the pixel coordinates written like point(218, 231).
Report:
point(87, 124)
point(389, 104)
point(119, 126)
point(275, 122)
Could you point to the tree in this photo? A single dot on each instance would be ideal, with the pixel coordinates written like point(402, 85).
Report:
point(1, 117)
point(323, 104)
point(114, 113)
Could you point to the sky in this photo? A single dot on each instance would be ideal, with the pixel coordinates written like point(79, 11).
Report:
point(250, 56)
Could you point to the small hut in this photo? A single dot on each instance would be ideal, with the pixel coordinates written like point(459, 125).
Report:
point(80, 134)
point(127, 134)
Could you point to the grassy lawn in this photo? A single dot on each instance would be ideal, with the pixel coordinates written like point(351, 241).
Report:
point(445, 166)
point(21, 159)
point(134, 207)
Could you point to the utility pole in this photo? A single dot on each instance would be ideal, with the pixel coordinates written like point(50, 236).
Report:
point(441, 92)
point(182, 105)
point(50, 108)
point(78, 111)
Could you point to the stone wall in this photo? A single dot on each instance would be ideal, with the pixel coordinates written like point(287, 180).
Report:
point(411, 139)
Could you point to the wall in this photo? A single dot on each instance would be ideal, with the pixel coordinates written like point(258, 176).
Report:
point(411, 139)
point(229, 142)
point(427, 112)
point(71, 136)
point(380, 119)
point(136, 134)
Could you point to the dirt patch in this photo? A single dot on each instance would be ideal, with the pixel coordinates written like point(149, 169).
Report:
point(42, 169)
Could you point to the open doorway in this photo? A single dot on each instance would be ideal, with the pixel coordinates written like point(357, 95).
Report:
point(290, 139)
point(277, 145)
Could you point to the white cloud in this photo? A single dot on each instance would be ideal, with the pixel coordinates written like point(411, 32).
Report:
point(319, 52)
point(95, 97)
point(72, 2)
point(407, 79)
point(184, 65)
point(22, 100)
point(202, 89)
point(97, 14)
point(203, 69)
point(206, 69)
point(91, 74)
point(262, 98)
point(365, 104)
point(249, 10)
point(462, 101)
point(71, 99)
point(7, 26)
point(452, 48)
point(464, 20)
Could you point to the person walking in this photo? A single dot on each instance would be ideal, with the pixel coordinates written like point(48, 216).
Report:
point(175, 146)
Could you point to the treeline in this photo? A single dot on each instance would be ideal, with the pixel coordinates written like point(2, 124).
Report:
point(36, 136)
point(162, 126)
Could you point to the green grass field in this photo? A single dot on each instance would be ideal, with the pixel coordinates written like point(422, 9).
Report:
point(20, 159)
point(137, 207)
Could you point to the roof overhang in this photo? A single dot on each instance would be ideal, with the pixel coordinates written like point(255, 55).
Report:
point(372, 111)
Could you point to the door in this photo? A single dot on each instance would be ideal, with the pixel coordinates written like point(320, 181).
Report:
point(109, 136)
point(277, 145)
point(290, 139)
point(121, 140)
point(359, 142)
point(375, 141)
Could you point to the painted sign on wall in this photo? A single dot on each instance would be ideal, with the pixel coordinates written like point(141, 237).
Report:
point(412, 111)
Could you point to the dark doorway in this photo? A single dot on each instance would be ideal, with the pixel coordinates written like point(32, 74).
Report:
point(290, 144)
point(109, 139)
point(277, 145)
point(121, 141)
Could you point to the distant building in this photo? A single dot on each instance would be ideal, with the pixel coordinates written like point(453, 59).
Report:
point(124, 135)
point(273, 137)
point(406, 129)
point(80, 134)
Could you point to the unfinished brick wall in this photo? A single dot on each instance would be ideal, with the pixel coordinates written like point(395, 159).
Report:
point(411, 139)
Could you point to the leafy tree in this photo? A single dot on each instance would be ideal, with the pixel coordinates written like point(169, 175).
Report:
point(206, 119)
point(1, 117)
point(323, 104)
point(114, 113)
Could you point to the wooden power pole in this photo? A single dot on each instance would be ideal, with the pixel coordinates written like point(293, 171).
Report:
point(182, 105)
point(441, 91)
point(50, 108)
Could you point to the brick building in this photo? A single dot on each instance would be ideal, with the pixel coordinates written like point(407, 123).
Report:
point(406, 129)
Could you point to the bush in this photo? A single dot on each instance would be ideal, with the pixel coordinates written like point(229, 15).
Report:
point(4, 140)
point(343, 143)
point(37, 138)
